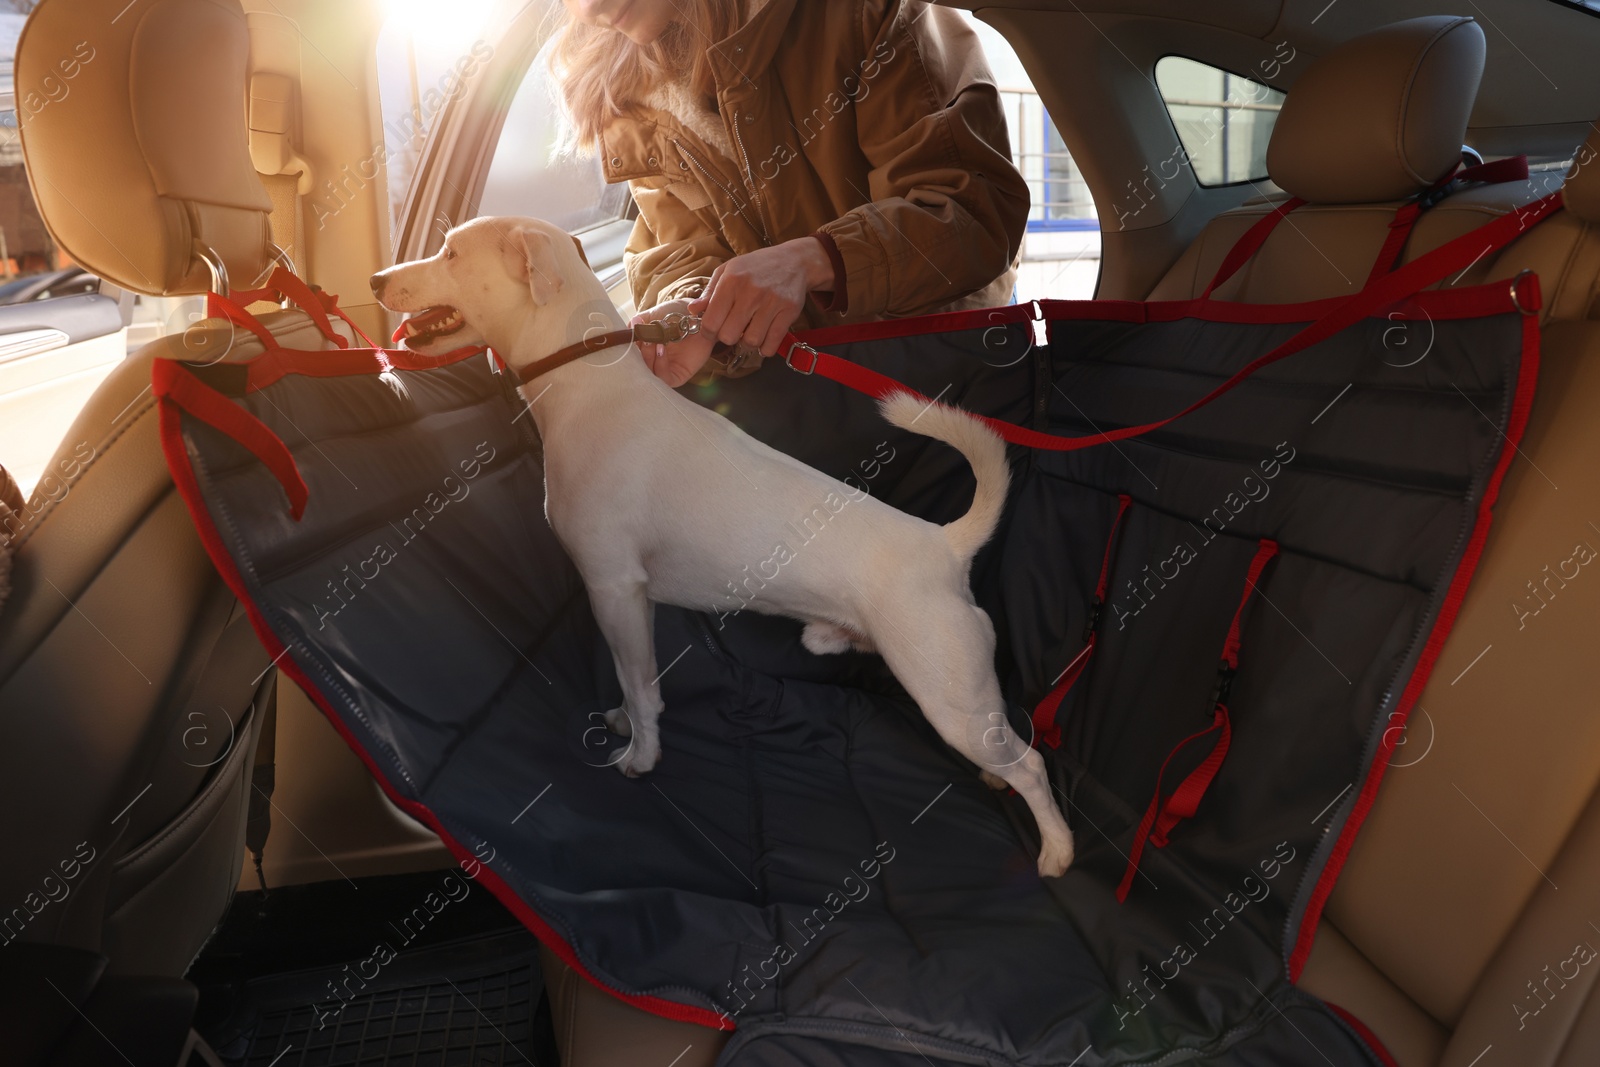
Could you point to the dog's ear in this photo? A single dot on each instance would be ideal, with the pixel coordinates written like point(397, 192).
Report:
point(531, 257)
point(581, 254)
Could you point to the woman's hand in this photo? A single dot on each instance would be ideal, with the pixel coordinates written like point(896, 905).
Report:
point(757, 297)
point(678, 362)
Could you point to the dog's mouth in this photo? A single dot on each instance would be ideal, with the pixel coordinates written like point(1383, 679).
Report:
point(429, 325)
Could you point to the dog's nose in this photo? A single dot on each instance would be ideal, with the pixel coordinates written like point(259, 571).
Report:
point(377, 284)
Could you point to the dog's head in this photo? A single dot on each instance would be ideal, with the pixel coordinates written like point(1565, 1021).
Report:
point(482, 284)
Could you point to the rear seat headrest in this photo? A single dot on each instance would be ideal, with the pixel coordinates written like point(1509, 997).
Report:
point(1382, 115)
point(136, 139)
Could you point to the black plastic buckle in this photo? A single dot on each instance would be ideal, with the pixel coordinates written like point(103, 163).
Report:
point(1429, 197)
point(1093, 624)
point(1224, 686)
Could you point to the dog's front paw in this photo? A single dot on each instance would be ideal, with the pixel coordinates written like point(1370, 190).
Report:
point(639, 760)
point(617, 722)
point(1055, 857)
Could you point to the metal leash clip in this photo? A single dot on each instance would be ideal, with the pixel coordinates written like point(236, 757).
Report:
point(669, 329)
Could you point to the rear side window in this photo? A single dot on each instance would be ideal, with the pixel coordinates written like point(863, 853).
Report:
point(1223, 120)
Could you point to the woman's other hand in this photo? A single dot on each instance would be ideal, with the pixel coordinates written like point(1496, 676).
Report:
point(676, 363)
point(757, 297)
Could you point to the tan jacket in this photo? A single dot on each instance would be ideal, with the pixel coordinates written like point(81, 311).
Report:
point(875, 121)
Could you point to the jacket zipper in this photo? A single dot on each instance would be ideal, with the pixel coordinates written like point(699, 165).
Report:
point(737, 202)
point(750, 179)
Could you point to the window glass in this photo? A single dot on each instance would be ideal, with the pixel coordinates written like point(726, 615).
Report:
point(52, 354)
point(428, 54)
point(526, 177)
point(1061, 248)
point(1223, 120)
point(424, 62)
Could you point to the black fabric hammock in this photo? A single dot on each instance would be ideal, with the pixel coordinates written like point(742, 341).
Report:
point(1213, 628)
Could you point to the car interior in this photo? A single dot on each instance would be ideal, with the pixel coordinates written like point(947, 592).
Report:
point(194, 855)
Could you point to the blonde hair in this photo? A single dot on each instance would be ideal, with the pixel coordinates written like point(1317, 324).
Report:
point(600, 72)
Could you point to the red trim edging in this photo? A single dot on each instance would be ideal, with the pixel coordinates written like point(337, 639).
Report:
point(1366, 1035)
point(188, 486)
point(1521, 406)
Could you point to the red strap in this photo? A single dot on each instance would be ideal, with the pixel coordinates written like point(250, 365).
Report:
point(315, 303)
point(1510, 169)
point(1163, 815)
point(1185, 800)
point(1399, 232)
point(174, 384)
point(1044, 715)
point(1264, 553)
point(1251, 243)
point(223, 308)
point(1219, 723)
point(1415, 276)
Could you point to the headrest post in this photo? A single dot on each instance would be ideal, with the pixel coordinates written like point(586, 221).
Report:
point(281, 255)
point(219, 270)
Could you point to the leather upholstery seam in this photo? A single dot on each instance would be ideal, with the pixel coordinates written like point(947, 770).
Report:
point(195, 806)
point(1405, 97)
point(38, 521)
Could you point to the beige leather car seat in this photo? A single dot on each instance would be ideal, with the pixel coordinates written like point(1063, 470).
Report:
point(132, 690)
point(1448, 907)
point(1444, 913)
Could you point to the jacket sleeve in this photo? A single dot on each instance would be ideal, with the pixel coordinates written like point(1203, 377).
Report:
point(947, 207)
point(671, 252)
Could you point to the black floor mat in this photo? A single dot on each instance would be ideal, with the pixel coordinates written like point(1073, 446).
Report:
point(373, 972)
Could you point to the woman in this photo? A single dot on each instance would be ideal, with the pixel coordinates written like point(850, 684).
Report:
point(853, 152)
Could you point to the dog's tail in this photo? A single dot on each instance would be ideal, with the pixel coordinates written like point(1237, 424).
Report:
point(984, 450)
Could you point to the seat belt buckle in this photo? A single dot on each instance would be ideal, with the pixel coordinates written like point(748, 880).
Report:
point(1090, 627)
point(1224, 685)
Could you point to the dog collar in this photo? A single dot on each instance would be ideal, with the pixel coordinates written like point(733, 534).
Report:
point(672, 328)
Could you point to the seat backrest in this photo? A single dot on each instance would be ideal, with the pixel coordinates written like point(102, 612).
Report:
point(1471, 888)
point(131, 685)
point(1372, 123)
point(1450, 893)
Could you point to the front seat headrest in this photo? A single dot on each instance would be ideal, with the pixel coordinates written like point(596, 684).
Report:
point(136, 140)
point(1381, 116)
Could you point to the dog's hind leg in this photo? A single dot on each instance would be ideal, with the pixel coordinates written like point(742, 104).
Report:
point(945, 659)
point(627, 619)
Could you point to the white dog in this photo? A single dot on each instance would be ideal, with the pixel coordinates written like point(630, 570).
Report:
point(659, 500)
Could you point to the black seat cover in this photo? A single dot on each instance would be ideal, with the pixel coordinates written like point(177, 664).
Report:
point(809, 861)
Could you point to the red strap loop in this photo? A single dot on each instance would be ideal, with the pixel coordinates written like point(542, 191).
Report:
point(1045, 728)
point(1193, 787)
point(317, 304)
point(174, 384)
point(1163, 815)
point(1264, 553)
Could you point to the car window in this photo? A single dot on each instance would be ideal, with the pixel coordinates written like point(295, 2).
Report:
point(1061, 248)
point(1223, 120)
point(527, 177)
point(54, 352)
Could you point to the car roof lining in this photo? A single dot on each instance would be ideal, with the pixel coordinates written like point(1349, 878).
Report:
point(1524, 105)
